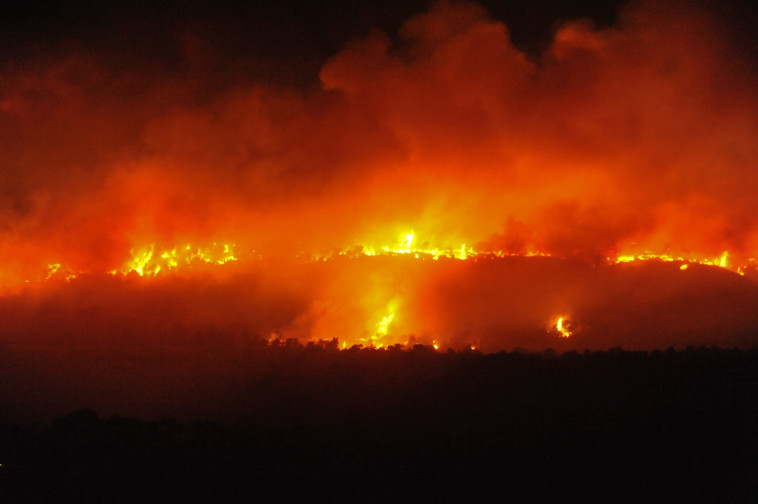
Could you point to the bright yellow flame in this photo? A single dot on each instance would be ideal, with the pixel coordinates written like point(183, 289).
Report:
point(407, 242)
point(405, 245)
point(723, 259)
point(463, 256)
point(561, 327)
point(52, 269)
point(140, 260)
point(149, 262)
point(378, 338)
point(55, 271)
point(383, 326)
point(435, 345)
point(171, 258)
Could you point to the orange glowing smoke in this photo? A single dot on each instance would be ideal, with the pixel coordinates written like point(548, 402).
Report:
point(383, 316)
point(634, 143)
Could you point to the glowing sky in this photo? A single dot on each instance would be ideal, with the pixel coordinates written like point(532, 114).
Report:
point(634, 135)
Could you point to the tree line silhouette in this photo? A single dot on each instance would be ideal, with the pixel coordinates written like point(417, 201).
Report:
point(367, 425)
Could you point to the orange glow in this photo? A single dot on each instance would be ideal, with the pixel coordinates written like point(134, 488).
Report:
point(55, 271)
point(722, 261)
point(382, 327)
point(385, 333)
point(406, 245)
point(148, 261)
point(439, 187)
point(561, 325)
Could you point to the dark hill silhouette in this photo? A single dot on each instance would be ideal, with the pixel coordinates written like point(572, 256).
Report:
point(379, 426)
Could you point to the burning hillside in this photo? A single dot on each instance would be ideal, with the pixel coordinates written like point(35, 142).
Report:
point(438, 186)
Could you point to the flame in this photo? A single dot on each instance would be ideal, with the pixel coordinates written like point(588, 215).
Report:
point(407, 242)
point(561, 325)
point(405, 246)
point(381, 336)
point(722, 261)
point(52, 270)
point(141, 260)
point(463, 255)
point(55, 271)
point(454, 145)
point(383, 328)
point(149, 262)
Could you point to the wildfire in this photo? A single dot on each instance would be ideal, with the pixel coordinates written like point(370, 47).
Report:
point(55, 271)
point(382, 327)
point(407, 245)
point(153, 260)
point(379, 338)
point(561, 325)
point(149, 262)
point(722, 261)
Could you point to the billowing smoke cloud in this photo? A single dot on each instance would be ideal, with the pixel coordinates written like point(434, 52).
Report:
point(630, 138)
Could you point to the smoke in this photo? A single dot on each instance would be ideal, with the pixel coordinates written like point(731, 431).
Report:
point(634, 137)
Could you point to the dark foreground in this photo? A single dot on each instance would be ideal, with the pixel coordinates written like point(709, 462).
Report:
point(421, 426)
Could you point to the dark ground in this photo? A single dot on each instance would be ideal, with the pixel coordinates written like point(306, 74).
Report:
point(417, 425)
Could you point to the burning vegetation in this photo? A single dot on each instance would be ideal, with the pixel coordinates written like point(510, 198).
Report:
point(446, 254)
point(442, 186)
point(416, 292)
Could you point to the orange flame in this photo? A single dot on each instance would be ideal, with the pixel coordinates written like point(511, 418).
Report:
point(561, 325)
point(147, 261)
point(387, 329)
